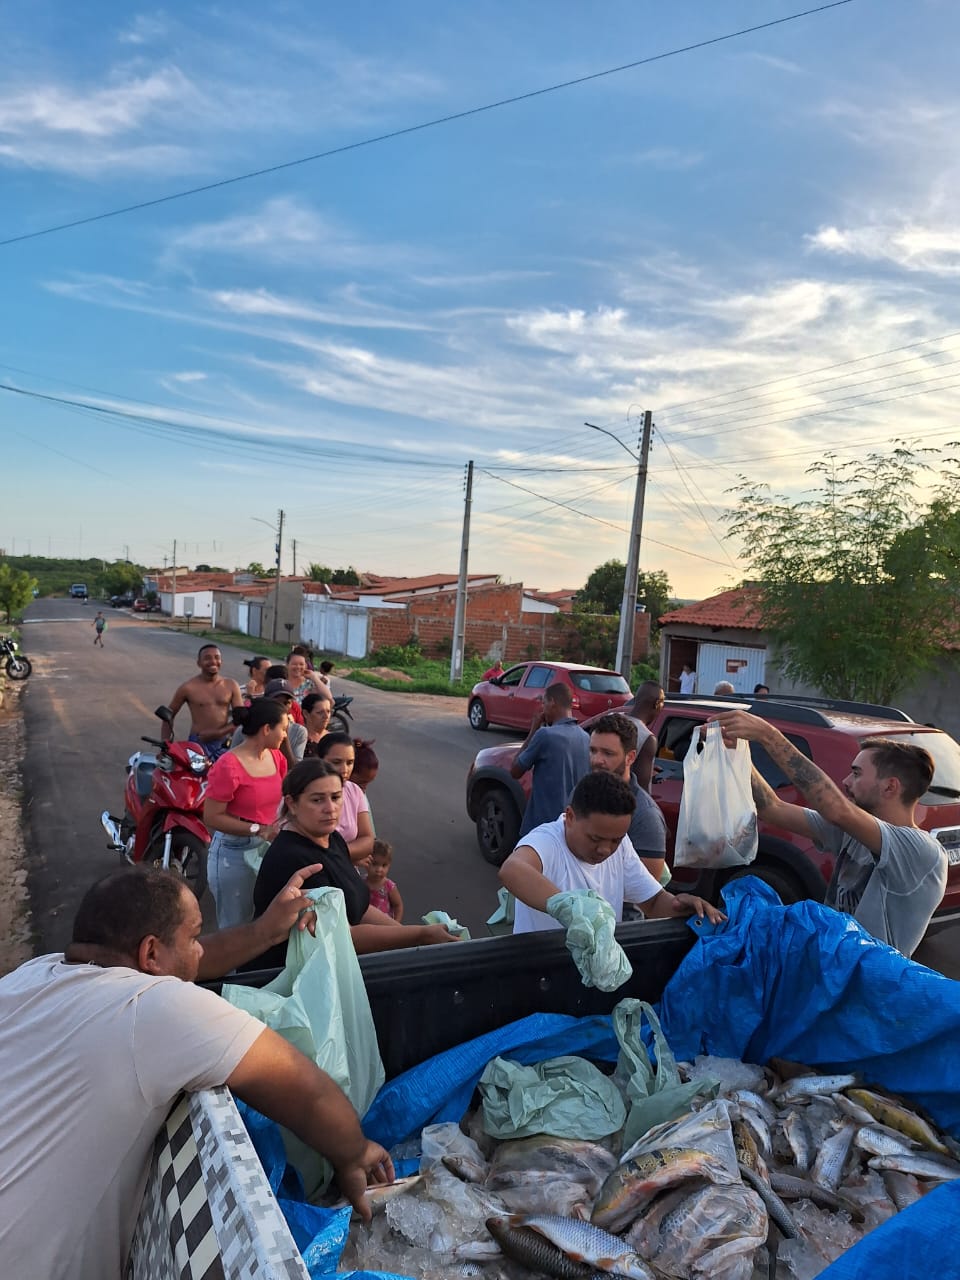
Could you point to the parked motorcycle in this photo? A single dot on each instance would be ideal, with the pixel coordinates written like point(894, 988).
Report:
point(162, 822)
point(16, 665)
point(340, 716)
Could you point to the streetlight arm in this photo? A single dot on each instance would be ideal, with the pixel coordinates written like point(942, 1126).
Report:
point(594, 427)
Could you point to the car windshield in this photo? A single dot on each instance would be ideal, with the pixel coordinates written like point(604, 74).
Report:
point(946, 763)
point(599, 682)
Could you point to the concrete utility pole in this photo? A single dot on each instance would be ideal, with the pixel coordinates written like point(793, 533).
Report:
point(294, 557)
point(460, 614)
point(173, 596)
point(276, 592)
point(628, 606)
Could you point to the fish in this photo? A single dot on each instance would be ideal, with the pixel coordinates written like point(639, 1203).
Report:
point(780, 1215)
point(852, 1109)
point(529, 1246)
point(379, 1196)
point(759, 1129)
point(896, 1116)
point(789, 1187)
point(632, 1185)
point(745, 1145)
point(828, 1166)
point(920, 1164)
point(753, 1100)
point(797, 1133)
point(902, 1188)
point(586, 1243)
point(573, 1159)
point(466, 1169)
point(808, 1086)
point(878, 1140)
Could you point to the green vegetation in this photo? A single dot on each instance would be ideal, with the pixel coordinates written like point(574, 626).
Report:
point(860, 578)
point(337, 577)
point(54, 575)
point(16, 590)
point(603, 591)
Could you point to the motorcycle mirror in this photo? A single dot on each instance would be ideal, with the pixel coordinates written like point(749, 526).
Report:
point(165, 714)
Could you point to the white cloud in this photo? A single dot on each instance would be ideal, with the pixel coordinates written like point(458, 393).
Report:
point(913, 248)
point(262, 302)
point(669, 159)
point(144, 29)
point(187, 376)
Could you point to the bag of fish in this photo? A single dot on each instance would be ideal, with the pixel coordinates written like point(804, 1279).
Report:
point(777, 1177)
point(717, 824)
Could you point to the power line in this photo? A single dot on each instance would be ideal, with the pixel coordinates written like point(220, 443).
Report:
point(418, 128)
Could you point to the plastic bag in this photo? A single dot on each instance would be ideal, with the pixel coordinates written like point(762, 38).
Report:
point(448, 922)
point(319, 1004)
point(591, 938)
point(717, 825)
point(566, 1097)
point(707, 1131)
point(655, 1094)
point(501, 922)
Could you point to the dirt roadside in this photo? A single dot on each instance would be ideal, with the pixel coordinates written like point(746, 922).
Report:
point(16, 934)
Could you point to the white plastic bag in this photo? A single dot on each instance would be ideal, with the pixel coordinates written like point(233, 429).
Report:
point(717, 826)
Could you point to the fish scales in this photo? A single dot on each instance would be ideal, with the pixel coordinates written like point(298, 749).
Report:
point(896, 1116)
point(586, 1243)
point(631, 1186)
point(780, 1215)
point(828, 1166)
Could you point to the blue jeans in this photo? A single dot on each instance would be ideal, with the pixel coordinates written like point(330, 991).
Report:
point(231, 879)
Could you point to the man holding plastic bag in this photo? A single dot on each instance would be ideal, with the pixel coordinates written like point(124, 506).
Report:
point(889, 875)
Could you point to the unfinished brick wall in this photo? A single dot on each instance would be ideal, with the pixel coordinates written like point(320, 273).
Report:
point(497, 626)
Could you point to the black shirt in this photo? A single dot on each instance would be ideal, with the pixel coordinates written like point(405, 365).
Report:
point(291, 852)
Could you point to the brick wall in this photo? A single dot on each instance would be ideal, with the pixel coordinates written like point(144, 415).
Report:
point(497, 627)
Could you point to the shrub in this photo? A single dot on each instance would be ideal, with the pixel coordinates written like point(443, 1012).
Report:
point(396, 655)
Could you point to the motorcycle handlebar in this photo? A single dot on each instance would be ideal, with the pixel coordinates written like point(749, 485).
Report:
point(154, 742)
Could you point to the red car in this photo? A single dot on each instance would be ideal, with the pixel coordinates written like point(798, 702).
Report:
point(513, 698)
point(828, 732)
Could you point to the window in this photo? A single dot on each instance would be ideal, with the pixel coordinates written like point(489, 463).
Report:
point(770, 772)
point(599, 682)
point(946, 763)
point(510, 679)
point(538, 678)
point(676, 735)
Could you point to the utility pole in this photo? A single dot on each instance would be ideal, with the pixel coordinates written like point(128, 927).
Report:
point(628, 606)
point(460, 614)
point(294, 557)
point(173, 598)
point(628, 609)
point(276, 593)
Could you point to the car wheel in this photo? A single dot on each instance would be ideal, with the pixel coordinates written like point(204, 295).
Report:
point(476, 715)
point(786, 886)
point(498, 825)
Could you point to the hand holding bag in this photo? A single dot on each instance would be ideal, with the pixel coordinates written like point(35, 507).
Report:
point(717, 826)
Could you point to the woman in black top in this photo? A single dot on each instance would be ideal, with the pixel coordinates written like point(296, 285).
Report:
point(313, 794)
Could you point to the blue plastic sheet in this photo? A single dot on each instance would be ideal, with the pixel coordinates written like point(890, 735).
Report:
point(914, 1245)
point(440, 1089)
point(807, 983)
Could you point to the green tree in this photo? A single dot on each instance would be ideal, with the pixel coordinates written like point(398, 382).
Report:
point(603, 591)
point(319, 573)
point(256, 568)
point(859, 577)
point(122, 578)
point(16, 590)
point(346, 577)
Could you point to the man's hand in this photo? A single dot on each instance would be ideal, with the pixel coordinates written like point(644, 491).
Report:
point(741, 724)
point(290, 907)
point(688, 904)
point(374, 1166)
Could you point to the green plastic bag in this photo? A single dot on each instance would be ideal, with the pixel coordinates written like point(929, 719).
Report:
point(319, 1004)
point(564, 1097)
point(448, 922)
point(655, 1094)
point(590, 926)
point(501, 922)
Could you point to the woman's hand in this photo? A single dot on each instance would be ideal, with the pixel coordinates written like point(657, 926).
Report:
point(432, 933)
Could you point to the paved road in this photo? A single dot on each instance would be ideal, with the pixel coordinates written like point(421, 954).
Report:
point(85, 712)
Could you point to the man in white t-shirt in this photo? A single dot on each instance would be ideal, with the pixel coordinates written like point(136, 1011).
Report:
point(688, 680)
point(586, 848)
point(96, 1044)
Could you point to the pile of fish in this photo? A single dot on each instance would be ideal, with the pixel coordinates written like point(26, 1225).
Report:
point(771, 1180)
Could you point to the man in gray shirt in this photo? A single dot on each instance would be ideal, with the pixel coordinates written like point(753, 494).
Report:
point(889, 875)
point(558, 752)
point(613, 749)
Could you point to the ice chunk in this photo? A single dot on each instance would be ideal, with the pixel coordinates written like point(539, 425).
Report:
point(439, 1140)
point(731, 1073)
point(829, 1233)
point(797, 1261)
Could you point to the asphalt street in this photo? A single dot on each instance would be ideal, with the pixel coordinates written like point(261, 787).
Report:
point(86, 709)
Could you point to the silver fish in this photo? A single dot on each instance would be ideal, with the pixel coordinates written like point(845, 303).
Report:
point(896, 1116)
point(533, 1250)
point(797, 1133)
point(878, 1140)
point(852, 1109)
point(920, 1164)
point(578, 1161)
point(789, 1187)
point(466, 1169)
point(748, 1098)
point(805, 1086)
point(902, 1188)
point(780, 1215)
point(758, 1128)
point(586, 1243)
point(828, 1166)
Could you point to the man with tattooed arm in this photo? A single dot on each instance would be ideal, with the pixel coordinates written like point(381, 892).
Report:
point(889, 875)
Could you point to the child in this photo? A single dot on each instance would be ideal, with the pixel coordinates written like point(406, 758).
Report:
point(384, 894)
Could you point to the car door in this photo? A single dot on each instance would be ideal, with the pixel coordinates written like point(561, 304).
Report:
point(526, 703)
point(499, 695)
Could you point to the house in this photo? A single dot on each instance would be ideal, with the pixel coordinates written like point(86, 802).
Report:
point(723, 638)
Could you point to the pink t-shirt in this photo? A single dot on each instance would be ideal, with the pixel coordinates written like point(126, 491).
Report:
point(252, 799)
point(354, 803)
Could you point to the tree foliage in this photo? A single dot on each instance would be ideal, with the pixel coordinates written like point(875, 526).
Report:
point(256, 568)
point(339, 577)
point(122, 578)
point(859, 578)
point(603, 591)
point(16, 590)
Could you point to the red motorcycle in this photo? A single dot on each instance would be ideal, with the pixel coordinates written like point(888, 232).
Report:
point(162, 823)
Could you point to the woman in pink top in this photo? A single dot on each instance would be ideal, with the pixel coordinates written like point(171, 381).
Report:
point(354, 825)
point(240, 807)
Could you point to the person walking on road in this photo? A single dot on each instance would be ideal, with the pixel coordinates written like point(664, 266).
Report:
point(889, 875)
point(100, 623)
point(558, 752)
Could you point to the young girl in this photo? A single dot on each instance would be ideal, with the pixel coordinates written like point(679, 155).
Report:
point(384, 894)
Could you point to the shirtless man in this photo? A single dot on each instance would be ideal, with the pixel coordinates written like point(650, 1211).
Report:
point(211, 698)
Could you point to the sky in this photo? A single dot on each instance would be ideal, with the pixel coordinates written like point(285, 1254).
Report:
point(756, 240)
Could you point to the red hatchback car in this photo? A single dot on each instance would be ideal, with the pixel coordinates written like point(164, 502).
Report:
point(514, 698)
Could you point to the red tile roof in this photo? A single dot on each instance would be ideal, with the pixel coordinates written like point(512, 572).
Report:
point(394, 586)
point(730, 609)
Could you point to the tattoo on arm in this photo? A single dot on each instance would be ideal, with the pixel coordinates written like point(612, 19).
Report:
point(818, 789)
point(763, 794)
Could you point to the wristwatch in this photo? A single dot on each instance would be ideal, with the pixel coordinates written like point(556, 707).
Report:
point(254, 828)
